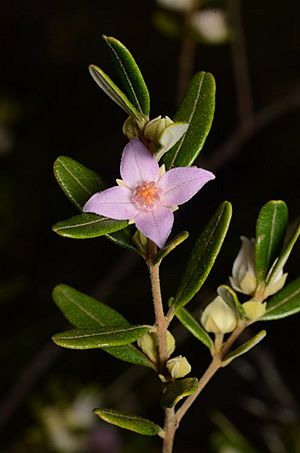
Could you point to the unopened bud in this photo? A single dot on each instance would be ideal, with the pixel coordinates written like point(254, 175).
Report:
point(276, 283)
point(155, 127)
point(132, 127)
point(254, 309)
point(178, 367)
point(218, 318)
point(243, 270)
point(148, 344)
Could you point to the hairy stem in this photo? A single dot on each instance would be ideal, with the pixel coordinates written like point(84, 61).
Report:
point(170, 430)
point(160, 319)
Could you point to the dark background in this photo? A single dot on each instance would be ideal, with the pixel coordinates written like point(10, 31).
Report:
point(50, 106)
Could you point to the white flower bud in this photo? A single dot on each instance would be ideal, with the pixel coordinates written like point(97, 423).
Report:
point(155, 127)
point(254, 309)
point(276, 282)
point(243, 270)
point(148, 344)
point(178, 367)
point(218, 318)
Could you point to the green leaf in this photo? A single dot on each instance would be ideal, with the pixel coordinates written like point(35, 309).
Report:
point(77, 182)
point(134, 423)
point(86, 226)
point(83, 311)
point(175, 391)
point(283, 257)
point(271, 226)
point(244, 348)
point(231, 299)
point(204, 255)
point(130, 75)
point(123, 238)
point(197, 109)
point(100, 337)
point(112, 91)
point(171, 245)
point(193, 326)
point(285, 303)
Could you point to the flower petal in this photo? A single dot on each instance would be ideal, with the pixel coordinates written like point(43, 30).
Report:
point(137, 164)
point(155, 225)
point(114, 203)
point(180, 184)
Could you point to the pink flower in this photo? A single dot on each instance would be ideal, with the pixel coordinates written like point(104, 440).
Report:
point(146, 195)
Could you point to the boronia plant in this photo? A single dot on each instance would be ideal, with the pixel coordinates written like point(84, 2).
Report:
point(158, 176)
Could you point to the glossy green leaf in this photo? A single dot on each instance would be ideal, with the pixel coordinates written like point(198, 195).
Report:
point(271, 226)
point(86, 226)
point(194, 327)
point(197, 109)
point(123, 238)
point(285, 303)
point(171, 245)
point(77, 182)
point(83, 311)
point(175, 391)
point(204, 255)
point(112, 91)
point(244, 348)
point(231, 299)
point(99, 338)
point(124, 420)
point(283, 257)
point(132, 80)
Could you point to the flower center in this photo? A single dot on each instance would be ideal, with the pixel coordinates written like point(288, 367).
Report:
point(146, 196)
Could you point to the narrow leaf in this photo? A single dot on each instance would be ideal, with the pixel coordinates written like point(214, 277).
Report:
point(171, 245)
point(131, 77)
point(175, 391)
point(77, 182)
point(197, 109)
point(231, 299)
point(123, 238)
point(193, 326)
point(100, 337)
point(204, 255)
point(85, 226)
point(124, 420)
point(83, 311)
point(285, 303)
point(279, 264)
point(271, 226)
point(244, 348)
point(112, 91)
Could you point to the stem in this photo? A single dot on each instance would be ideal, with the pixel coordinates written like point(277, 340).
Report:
point(215, 364)
point(160, 319)
point(206, 377)
point(170, 430)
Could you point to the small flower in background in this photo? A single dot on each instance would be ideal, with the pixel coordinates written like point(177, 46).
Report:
point(177, 5)
point(147, 195)
point(211, 25)
point(218, 318)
